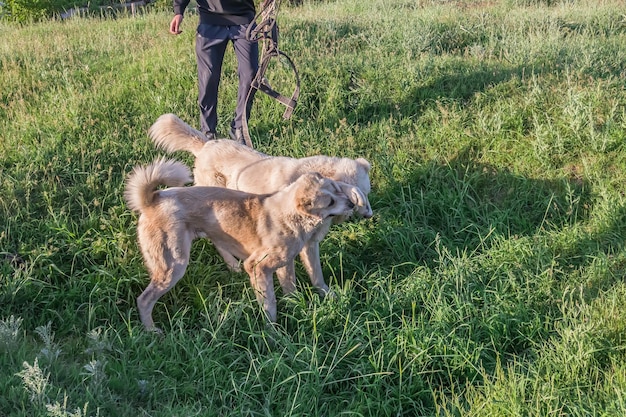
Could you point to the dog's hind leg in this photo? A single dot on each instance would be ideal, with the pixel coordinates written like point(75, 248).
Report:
point(166, 269)
point(155, 290)
point(146, 302)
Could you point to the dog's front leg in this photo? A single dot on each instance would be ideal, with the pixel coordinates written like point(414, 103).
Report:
point(310, 257)
point(287, 278)
point(231, 261)
point(261, 279)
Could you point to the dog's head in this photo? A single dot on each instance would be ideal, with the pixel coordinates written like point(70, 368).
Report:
point(354, 180)
point(321, 197)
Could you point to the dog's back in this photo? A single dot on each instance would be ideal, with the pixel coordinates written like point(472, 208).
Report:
point(224, 163)
point(144, 180)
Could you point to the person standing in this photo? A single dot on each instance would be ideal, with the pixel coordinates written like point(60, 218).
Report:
point(221, 22)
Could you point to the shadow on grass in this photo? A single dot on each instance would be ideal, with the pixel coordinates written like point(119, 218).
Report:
point(484, 261)
point(464, 205)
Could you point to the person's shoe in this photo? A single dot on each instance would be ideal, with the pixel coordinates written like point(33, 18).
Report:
point(236, 134)
point(210, 135)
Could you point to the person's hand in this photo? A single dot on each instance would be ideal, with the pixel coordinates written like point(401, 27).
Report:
point(175, 24)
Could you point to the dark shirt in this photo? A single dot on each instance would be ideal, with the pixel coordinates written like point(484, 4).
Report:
point(220, 12)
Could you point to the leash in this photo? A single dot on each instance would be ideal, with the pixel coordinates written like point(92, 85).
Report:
point(266, 30)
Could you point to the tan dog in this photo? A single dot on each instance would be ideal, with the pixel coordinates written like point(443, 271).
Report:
point(266, 231)
point(225, 163)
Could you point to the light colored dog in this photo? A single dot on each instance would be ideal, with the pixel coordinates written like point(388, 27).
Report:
point(266, 231)
point(225, 163)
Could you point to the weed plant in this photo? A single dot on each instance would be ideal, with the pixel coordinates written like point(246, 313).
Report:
point(488, 283)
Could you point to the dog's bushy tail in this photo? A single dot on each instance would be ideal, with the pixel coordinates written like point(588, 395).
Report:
point(144, 180)
point(170, 133)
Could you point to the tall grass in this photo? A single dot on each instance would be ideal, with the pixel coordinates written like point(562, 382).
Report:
point(488, 283)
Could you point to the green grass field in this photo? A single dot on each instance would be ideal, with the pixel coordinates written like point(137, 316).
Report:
point(490, 281)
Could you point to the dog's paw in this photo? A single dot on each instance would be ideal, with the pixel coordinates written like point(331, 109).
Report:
point(326, 293)
point(155, 331)
point(234, 267)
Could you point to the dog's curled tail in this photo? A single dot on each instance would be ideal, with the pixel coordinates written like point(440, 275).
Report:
point(170, 133)
point(143, 181)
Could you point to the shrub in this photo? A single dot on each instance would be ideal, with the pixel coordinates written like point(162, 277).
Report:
point(24, 11)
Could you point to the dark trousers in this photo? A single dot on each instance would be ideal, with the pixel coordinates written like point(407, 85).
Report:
point(211, 43)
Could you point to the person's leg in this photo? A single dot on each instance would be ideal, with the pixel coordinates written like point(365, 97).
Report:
point(247, 54)
point(211, 42)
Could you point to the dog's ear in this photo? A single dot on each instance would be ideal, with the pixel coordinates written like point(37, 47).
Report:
point(364, 163)
point(357, 197)
point(354, 193)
